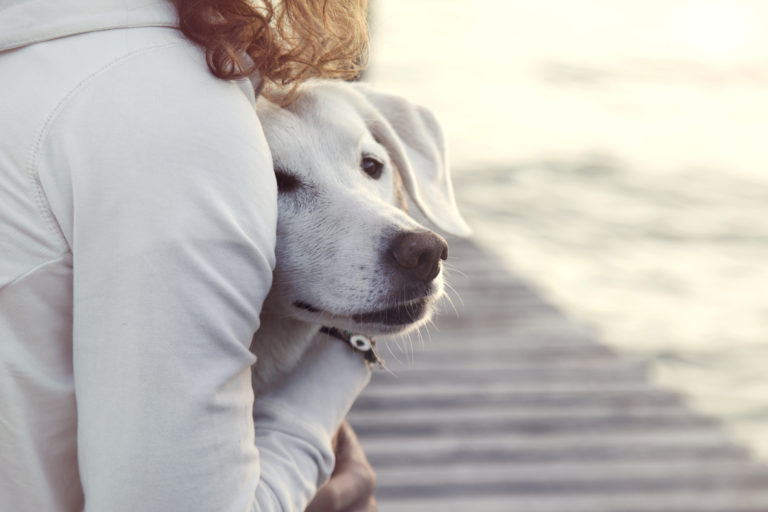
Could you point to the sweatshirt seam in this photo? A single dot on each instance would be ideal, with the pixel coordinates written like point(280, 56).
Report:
point(21, 42)
point(23, 275)
point(32, 169)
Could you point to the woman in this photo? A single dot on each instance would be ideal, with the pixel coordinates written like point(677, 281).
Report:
point(137, 219)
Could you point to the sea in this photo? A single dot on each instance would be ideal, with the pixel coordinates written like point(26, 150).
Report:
point(614, 153)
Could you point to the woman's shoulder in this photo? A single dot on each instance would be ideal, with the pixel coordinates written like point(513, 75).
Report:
point(155, 70)
point(160, 86)
point(154, 120)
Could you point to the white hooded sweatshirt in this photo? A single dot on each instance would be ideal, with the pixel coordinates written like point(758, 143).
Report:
point(137, 232)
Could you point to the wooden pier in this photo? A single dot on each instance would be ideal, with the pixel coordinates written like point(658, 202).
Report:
point(513, 407)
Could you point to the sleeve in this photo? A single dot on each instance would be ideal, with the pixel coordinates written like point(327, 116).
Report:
point(169, 208)
point(281, 423)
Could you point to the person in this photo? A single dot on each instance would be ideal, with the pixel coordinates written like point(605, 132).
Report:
point(137, 232)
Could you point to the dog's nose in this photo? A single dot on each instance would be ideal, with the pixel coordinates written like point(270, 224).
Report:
point(418, 254)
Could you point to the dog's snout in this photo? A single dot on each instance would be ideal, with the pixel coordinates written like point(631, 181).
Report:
point(418, 254)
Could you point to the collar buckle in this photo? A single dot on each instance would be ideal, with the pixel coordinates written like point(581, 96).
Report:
point(361, 343)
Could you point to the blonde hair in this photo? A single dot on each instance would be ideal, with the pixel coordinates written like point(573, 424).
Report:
point(287, 42)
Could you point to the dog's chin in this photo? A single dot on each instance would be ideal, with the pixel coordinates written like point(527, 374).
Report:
point(392, 320)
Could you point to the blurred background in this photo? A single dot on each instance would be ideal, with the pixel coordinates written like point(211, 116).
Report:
point(615, 154)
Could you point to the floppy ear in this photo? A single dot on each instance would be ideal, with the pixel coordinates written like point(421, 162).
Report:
point(414, 140)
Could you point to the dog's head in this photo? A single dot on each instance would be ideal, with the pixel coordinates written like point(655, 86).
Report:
point(348, 254)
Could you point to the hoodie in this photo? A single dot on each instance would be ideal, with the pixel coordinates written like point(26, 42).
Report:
point(137, 233)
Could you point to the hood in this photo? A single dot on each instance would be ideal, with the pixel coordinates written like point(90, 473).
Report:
point(23, 22)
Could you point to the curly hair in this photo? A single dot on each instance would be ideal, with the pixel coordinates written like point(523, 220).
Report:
point(287, 41)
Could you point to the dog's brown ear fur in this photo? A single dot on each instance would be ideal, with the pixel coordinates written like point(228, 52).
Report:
point(415, 142)
point(400, 199)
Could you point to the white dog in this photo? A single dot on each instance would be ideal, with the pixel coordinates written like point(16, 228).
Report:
point(348, 255)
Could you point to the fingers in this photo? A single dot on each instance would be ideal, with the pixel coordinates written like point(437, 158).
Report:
point(348, 447)
point(345, 492)
point(353, 483)
point(369, 506)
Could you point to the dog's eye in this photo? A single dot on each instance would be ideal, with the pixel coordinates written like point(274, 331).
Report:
point(286, 182)
point(371, 167)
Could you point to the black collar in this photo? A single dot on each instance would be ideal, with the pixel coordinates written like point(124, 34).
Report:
point(359, 342)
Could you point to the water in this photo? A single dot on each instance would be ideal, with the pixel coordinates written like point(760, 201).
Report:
point(616, 155)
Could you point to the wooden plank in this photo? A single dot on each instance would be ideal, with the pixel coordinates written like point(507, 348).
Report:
point(610, 476)
point(702, 501)
point(538, 426)
point(559, 445)
point(426, 455)
point(622, 396)
point(373, 418)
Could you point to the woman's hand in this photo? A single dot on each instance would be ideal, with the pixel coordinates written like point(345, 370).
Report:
point(352, 485)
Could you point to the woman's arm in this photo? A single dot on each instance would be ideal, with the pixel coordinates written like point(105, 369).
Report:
point(162, 183)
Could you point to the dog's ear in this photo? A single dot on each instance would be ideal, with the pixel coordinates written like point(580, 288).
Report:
point(415, 142)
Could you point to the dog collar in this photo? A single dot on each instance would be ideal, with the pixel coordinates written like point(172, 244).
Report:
point(359, 342)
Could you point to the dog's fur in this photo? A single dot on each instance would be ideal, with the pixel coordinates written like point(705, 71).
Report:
point(336, 223)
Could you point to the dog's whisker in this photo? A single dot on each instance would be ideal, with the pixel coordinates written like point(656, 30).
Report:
point(453, 306)
point(448, 296)
point(450, 288)
point(392, 353)
point(432, 324)
point(385, 367)
point(409, 353)
point(400, 342)
point(427, 336)
point(419, 337)
point(451, 268)
point(388, 370)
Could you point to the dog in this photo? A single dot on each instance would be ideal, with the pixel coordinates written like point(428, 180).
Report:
point(349, 256)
